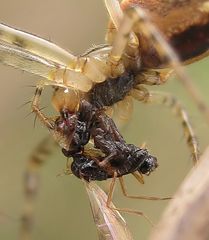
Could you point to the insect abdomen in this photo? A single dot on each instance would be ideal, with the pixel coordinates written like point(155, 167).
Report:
point(185, 25)
point(112, 90)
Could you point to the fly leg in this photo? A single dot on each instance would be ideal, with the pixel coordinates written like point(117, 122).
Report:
point(126, 210)
point(124, 191)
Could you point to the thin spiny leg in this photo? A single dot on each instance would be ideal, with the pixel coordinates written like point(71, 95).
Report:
point(36, 109)
point(31, 185)
point(124, 191)
point(115, 12)
point(136, 19)
point(125, 41)
point(169, 56)
point(173, 103)
point(126, 210)
point(139, 19)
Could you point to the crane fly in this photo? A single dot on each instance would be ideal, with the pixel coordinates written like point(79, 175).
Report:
point(144, 42)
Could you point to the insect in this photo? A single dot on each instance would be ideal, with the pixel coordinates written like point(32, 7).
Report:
point(90, 122)
point(115, 71)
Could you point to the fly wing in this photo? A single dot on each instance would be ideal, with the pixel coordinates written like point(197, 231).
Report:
point(110, 224)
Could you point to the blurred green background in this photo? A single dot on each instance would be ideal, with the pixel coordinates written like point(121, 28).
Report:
point(62, 209)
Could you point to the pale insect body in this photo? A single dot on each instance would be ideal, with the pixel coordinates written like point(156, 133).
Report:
point(137, 55)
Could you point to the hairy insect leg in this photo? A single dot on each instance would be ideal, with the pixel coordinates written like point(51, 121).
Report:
point(124, 191)
point(125, 210)
point(169, 57)
point(171, 101)
point(115, 11)
point(142, 25)
point(35, 44)
point(125, 42)
point(36, 109)
point(31, 184)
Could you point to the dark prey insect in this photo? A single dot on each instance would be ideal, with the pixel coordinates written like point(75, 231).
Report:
point(118, 156)
point(145, 40)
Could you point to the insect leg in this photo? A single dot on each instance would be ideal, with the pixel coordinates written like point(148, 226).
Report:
point(126, 210)
point(173, 103)
point(31, 184)
point(168, 55)
point(35, 45)
point(36, 109)
point(124, 191)
point(125, 43)
point(115, 11)
point(146, 27)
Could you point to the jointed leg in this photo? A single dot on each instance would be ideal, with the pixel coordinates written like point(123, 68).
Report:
point(125, 41)
point(173, 103)
point(137, 18)
point(140, 20)
point(36, 109)
point(124, 191)
point(139, 177)
point(31, 184)
point(126, 210)
point(170, 57)
point(115, 12)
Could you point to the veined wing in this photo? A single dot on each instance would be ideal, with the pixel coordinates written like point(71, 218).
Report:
point(34, 44)
point(110, 224)
point(57, 73)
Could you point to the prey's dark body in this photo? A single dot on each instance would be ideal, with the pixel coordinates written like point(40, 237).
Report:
point(119, 156)
point(112, 90)
point(85, 167)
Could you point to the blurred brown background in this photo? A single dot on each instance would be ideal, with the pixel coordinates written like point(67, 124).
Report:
point(62, 209)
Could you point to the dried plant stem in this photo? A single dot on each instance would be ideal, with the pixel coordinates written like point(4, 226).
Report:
point(187, 216)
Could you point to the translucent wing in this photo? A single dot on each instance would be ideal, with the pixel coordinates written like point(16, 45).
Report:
point(110, 224)
point(123, 111)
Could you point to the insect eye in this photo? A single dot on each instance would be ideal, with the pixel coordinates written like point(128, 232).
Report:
point(149, 165)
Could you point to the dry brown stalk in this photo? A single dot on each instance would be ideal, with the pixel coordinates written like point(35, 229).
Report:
point(187, 216)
